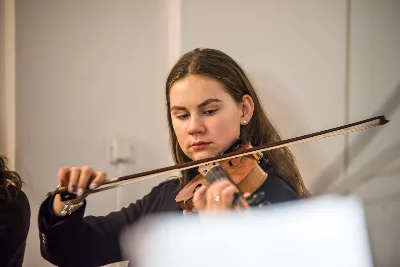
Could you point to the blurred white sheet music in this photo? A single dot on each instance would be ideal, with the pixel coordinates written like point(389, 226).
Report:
point(325, 231)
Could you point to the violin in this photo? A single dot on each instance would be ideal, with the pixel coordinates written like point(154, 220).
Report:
point(240, 165)
point(243, 172)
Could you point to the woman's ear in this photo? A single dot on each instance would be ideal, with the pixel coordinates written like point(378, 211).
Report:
point(247, 109)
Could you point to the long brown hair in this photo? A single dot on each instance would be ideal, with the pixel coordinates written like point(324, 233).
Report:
point(10, 181)
point(217, 65)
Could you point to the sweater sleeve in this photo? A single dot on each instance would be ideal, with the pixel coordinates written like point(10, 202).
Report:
point(77, 241)
point(276, 191)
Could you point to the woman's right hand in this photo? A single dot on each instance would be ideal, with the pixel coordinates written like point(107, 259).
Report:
point(78, 180)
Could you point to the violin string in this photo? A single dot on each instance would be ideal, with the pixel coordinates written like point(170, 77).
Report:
point(146, 177)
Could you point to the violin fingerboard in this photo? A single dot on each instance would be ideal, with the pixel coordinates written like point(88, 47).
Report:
point(217, 173)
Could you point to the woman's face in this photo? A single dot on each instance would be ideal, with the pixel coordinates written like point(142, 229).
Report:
point(205, 117)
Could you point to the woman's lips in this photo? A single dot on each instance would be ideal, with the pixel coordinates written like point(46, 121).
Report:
point(200, 145)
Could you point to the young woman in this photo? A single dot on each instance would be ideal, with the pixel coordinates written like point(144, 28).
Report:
point(211, 104)
point(15, 218)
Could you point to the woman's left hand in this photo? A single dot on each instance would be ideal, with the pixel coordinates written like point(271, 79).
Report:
point(216, 197)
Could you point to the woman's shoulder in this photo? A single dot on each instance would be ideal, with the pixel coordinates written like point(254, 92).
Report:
point(15, 215)
point(14, 227)
point(16, 206)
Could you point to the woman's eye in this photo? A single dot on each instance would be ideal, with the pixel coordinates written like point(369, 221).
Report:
point(183, 116)
point(210, 111)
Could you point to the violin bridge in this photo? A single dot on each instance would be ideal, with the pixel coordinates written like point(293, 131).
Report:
point(258, 156)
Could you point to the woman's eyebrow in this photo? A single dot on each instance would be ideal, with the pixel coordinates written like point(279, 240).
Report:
point(204, 103)
point(208, 101)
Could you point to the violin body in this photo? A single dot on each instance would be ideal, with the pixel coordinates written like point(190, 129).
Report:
point(244, 172)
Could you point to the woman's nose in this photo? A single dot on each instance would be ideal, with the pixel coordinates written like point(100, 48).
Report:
point(196, 126)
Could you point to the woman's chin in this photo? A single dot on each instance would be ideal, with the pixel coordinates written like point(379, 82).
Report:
point(202, 155)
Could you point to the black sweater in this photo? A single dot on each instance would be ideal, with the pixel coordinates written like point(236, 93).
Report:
point(91, 241)
point(15, 217)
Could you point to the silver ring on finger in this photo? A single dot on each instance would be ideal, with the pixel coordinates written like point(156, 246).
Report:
point(217, 198)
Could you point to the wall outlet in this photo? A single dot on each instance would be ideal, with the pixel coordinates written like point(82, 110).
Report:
point(121, 150)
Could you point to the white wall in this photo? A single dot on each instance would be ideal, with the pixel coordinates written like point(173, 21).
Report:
point(374, 164)
point(7, 81)
point(88, 71)
point(2, 74)
point(295, 54)
point(91, 70)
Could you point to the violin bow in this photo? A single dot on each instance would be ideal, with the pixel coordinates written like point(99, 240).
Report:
point(138, 177)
